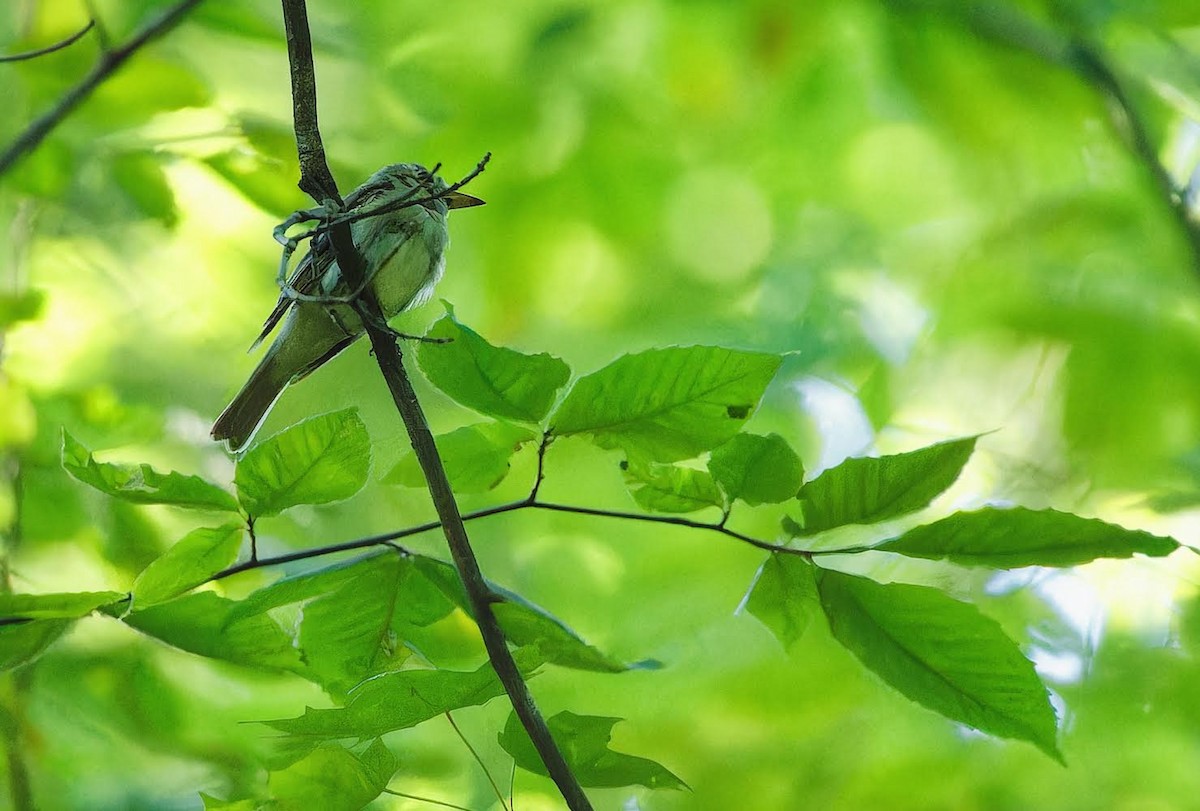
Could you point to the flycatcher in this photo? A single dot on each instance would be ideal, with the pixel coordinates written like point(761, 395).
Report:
point(404, 251)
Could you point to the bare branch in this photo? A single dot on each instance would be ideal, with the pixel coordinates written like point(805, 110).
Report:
point(49, 49)
point(109, 62)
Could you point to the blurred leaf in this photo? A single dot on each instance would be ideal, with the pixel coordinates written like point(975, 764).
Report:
point(492, 380)
point(197, 623)
point(319, 460)
point(584, 741)
point(143, 87)
point(784, 597)
point(757, 469)
point(868, 490)
point(24, 306)
point(193, 560)
point(941, 653)
point(65, 605)
point(672, 489)
point(667, 404)
point(1011, 538)
point(25, 641)
point(396, 701)
point(18, 420)
point(333, 778)
point(131, 540)
point(141, 484)
point(476, 457)
point(140, 176)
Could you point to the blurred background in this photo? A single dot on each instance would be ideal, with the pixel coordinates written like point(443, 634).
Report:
point(935, 208)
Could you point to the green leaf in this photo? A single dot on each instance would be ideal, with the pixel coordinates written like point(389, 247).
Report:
point(584, 741)
point(784, 597)
point(941, 653)
point(24, 306)
point(665, 405)
point(322, 459)
point(396, 701)
point(332, 778)
point(198, 623)
point(140, 175)
point(868, 490)
point(528, 625)
point(66, 605)
point(757, 469)
point(496, 381)
point(193, 560)
point(476, 457)
point(672, 489)
point(23, 642)
point(1011, 538)
point(142, 484)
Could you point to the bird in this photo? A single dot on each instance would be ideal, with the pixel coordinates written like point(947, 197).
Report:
point(404, 255)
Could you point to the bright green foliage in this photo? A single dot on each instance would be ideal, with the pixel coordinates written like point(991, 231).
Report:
point(54, 606)
point(671, 488)
point(142, 484)
point(784, 597)
point(667, 404)
point(24, 306)
point(200, 623)
point(496, 381)
point(317, 461)
point(476, 457)
point(868, 490)
point(193, 560)
point(23, 641)
point(396, 701)
point(941, 653)
point(757, 469)
point(333, 778)
point(584, 740)
point(1011, 538)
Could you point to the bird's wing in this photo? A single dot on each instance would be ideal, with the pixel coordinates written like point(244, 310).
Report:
point(306, 280)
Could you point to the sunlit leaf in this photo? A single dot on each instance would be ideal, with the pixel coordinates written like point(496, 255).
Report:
point(583, 740)
point(23, 642)
point(496, 381)
point(193, 560)
point(867, 490)
point(64, 605)
point(671, 489)
point(784, 597)
point(322, 459)
point(757, 469)
point(941, 653)
point(24, 306)
point(667, 404)
point(1011, 538)
point(333, 778)
point(476, 457)
point(143, 484)
point(141, 177)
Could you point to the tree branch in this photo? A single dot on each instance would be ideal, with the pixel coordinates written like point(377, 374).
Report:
point(318, 182)
point(109, 62)
point(49, 49)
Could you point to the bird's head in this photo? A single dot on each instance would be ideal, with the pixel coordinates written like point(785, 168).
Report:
point(414, 175)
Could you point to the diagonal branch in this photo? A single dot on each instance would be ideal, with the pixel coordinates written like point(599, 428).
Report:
point(108, 64)
point(317, 181)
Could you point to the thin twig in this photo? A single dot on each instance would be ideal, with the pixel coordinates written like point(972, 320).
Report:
point(478, 759)
point(49, 49)
point(109, 61)
point(318, 182)
point(395, 793)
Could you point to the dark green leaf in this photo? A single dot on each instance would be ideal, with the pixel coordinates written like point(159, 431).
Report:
point(198, 623)
point(322, 459)
point(784, 597)
point(1011, 538)
point(941, 653)
point(667, 404)
point(868, 490)
point(142, 484)
point(332, 778)
point(396, 701)
point(476, 457)
point(193, 560)
point(672, 489)
point(496, 381)
point(757, 469)
point(140, 176)
point(584, 741)
point(23, 306)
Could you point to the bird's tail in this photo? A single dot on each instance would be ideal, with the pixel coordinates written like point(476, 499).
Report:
point(241, 418)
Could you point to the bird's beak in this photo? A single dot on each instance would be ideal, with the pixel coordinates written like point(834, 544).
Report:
point(457, 199)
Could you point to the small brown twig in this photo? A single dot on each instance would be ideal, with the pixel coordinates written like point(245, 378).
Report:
point(49, 49)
